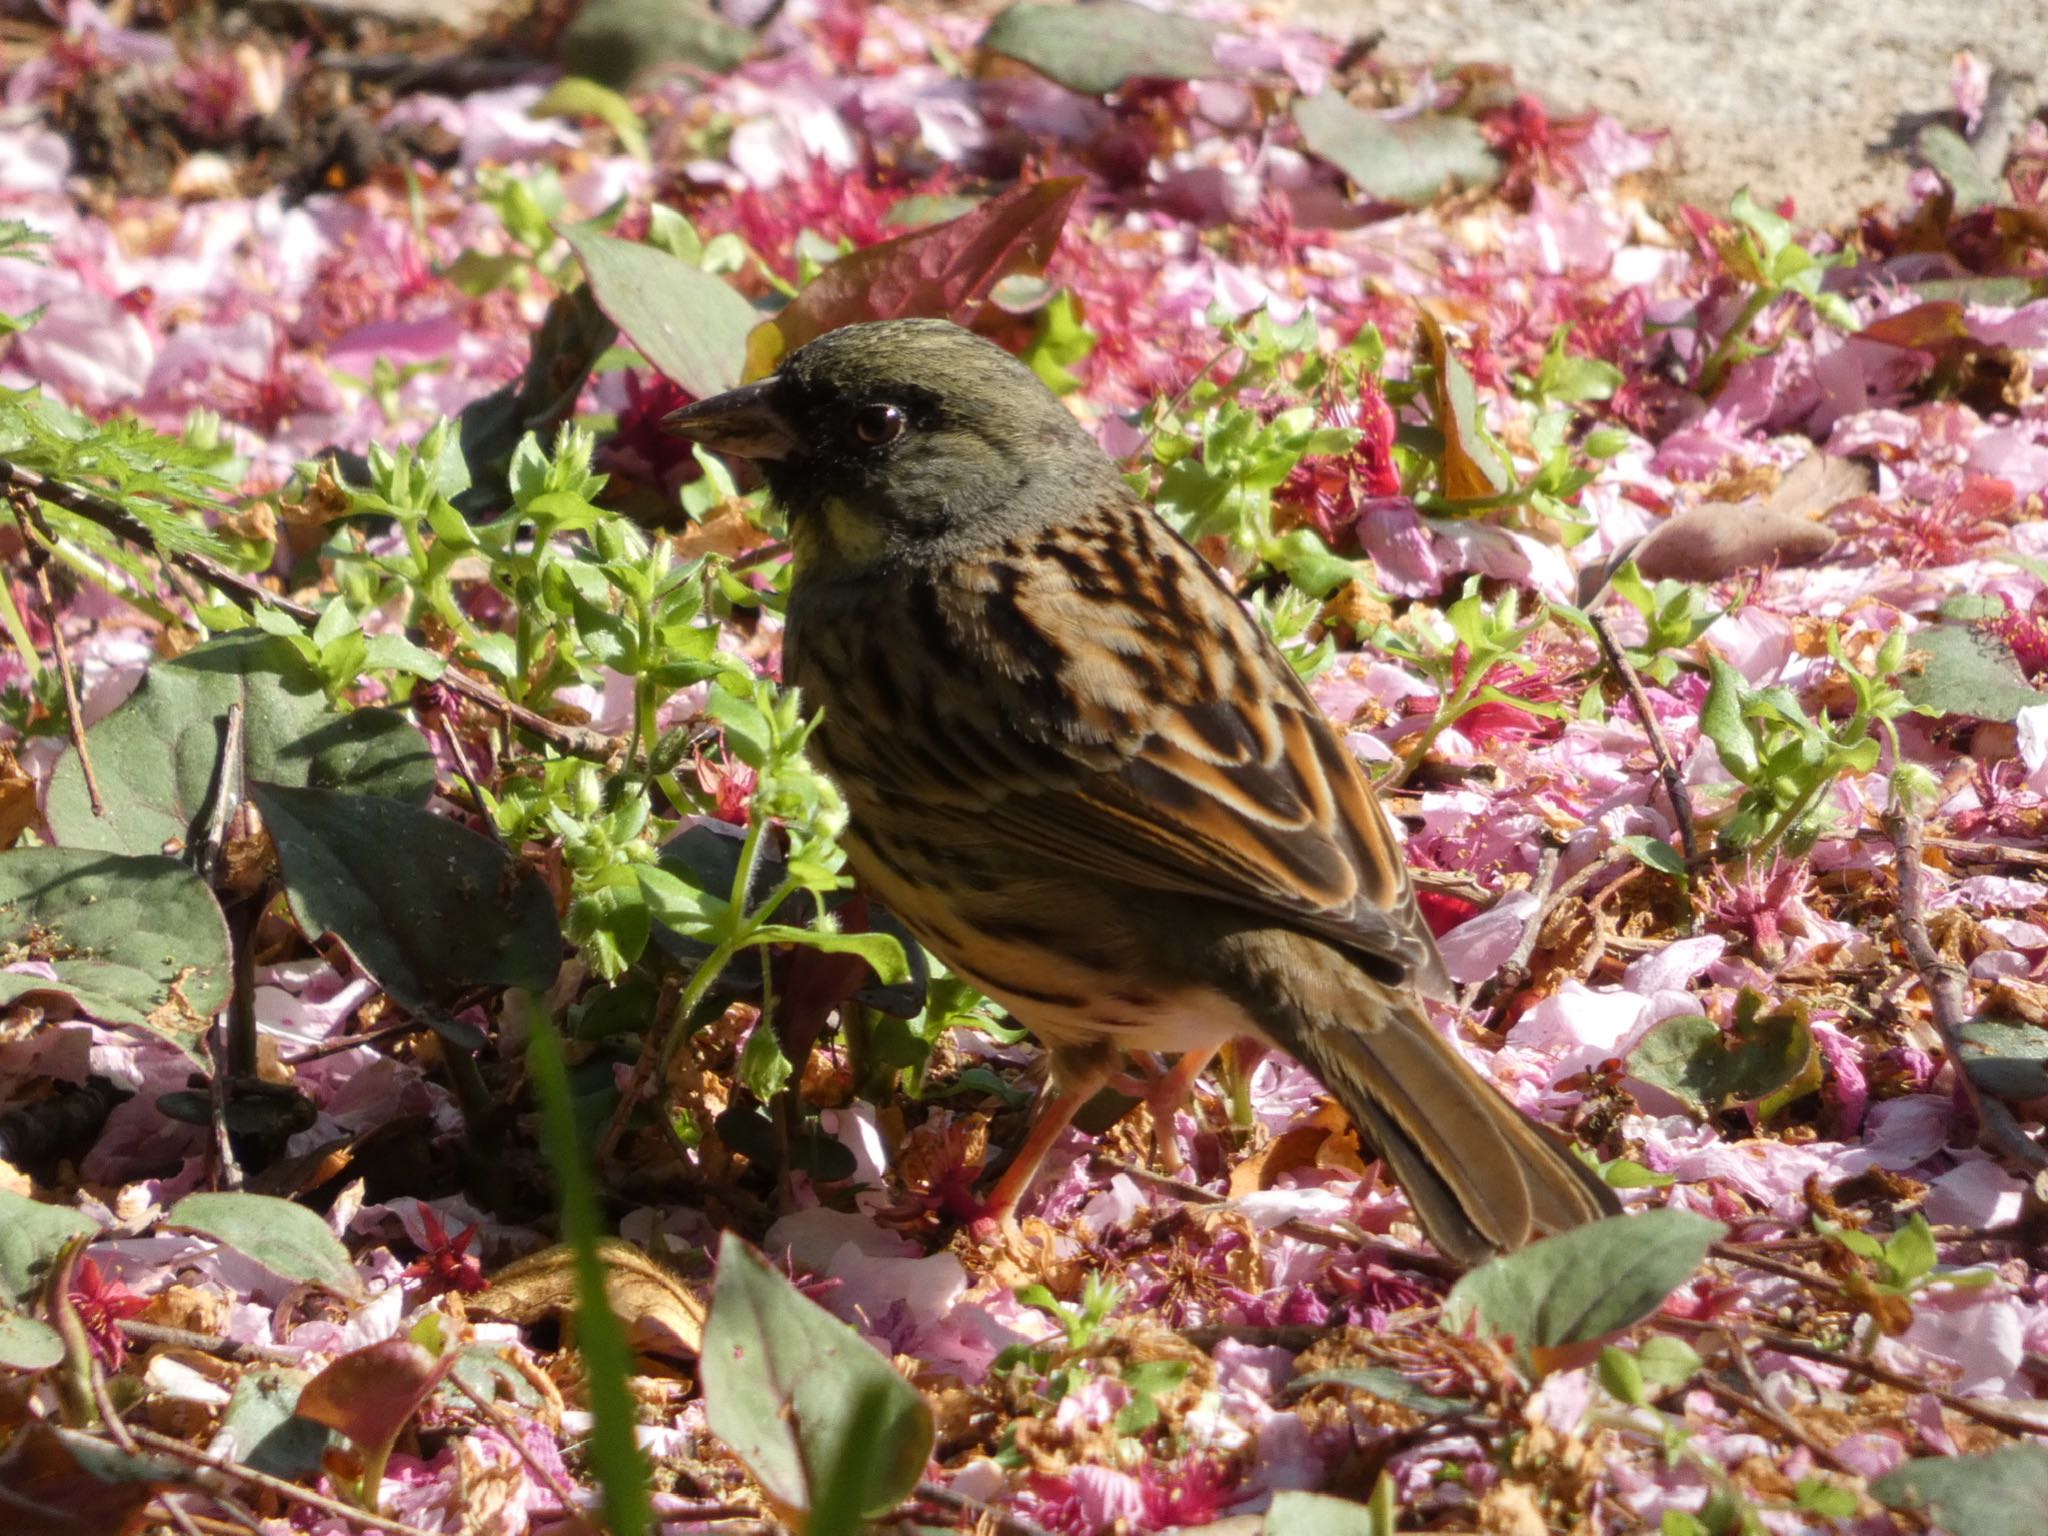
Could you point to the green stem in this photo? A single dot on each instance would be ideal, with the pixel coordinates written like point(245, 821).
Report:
point(1446, 717)
point(17, 630)
point(1723, 356)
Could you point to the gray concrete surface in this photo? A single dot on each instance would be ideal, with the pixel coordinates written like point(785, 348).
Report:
point(1812, 98)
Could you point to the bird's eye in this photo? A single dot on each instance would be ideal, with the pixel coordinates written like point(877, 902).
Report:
point(878, 424)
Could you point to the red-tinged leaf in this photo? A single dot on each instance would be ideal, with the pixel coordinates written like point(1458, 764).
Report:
point(1472, 466)
point(371, 1394)
point(1926, 327)
point(59, 1482)
point(942, 271)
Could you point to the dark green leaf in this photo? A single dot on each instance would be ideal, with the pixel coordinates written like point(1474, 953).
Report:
point(136, 941)
point(2004, 1493)
point(1095, 49)
point(262, 1431)
point(1584, 1284)
point(157, 757)
point(690, 325)
point(286, 1239)
point(423, 904)
point(27, 1345)
point(1691, 1058)
point(1953, 669)
point(1410, 161)
point(2007, 1060)
point(792, 1391)
point(31, 1232)
point(618, 42)
point(1949, 153)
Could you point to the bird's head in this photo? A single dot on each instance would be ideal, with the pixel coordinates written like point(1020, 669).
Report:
point(903, 441)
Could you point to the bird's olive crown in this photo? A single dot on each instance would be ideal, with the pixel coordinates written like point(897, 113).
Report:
point(928, 439)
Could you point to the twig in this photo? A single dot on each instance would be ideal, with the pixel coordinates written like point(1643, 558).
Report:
point(1295, 1336)
point(1509, 978)
point(1756, 1408)
point(1728, 1253)
point(505, 1427)
point(209, 1344)
point(1772, 1414)
point(985, 1516)
point(1667, 768)
point(1787, 1344)
point(350, 1042)
point(650, 1051)
point(1306, 1231)
point(1948, 992)
point(228, 794)
point(238, 1472)
point(575, 740)
point(26, 513)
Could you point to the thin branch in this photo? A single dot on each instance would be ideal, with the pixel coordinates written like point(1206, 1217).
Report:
point(1667, 767)
point(26, 513)
point(237, 1472)
point(1306, 1231)
point(1773, 1415)
point(540, 1469)
point(1788, 1344)
point(651, 1051)
point(1948, 992)
point(1728, 1253)
point(985, 1517)
point(208, 1344)
point(574, 740)
point(1509, 978)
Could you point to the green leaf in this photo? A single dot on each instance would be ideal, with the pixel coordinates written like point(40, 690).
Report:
point(1691, 1059)
point(1096, 49)
point(1294, 1513)
point(2004, 1493)
point(1656, 853)
point(27, 1345)
point(286, 1239)
point(620, 42)
point(1621, 1376)
point(1722, 723)
point(1584, 1284)
point(1952, 159)
point(883, 953)
point(261, 1430)
point(1668, 1362)
point(580, 97)
point(31, 1233)
point(794, 1392)
point(690, 325)
point(1910, 1253)
point(136, 941)
point(1410, 161)
point(2006, 1059)
point(158, 756)
point(1956, 670)
point(423, 904)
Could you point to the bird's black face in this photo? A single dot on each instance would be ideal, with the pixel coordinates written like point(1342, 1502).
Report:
point(894, 441)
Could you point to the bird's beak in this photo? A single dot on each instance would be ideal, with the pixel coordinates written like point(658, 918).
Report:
point(742, 422)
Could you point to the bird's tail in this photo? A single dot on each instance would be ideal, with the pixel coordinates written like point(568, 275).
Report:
point(1482, 1177)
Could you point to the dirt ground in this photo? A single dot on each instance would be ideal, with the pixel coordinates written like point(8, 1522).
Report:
point(1818, 99)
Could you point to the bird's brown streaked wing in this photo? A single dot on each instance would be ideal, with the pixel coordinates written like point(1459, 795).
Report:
point(1209, 768)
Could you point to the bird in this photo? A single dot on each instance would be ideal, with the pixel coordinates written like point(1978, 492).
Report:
point(1083, 776)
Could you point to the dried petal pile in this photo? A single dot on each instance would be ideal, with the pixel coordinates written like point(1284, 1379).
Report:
point(1505, 467)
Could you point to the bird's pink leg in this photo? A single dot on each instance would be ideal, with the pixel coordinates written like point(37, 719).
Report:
point(1049, 1119)
point(1165, 1099)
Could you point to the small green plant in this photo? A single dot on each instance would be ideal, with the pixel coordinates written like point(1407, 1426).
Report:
point(1786, 760)
point(1761, 251)
point(1458, 649)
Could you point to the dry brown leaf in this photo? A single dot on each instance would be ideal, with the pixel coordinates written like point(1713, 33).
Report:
point(17, 799)
point(664, 1317)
